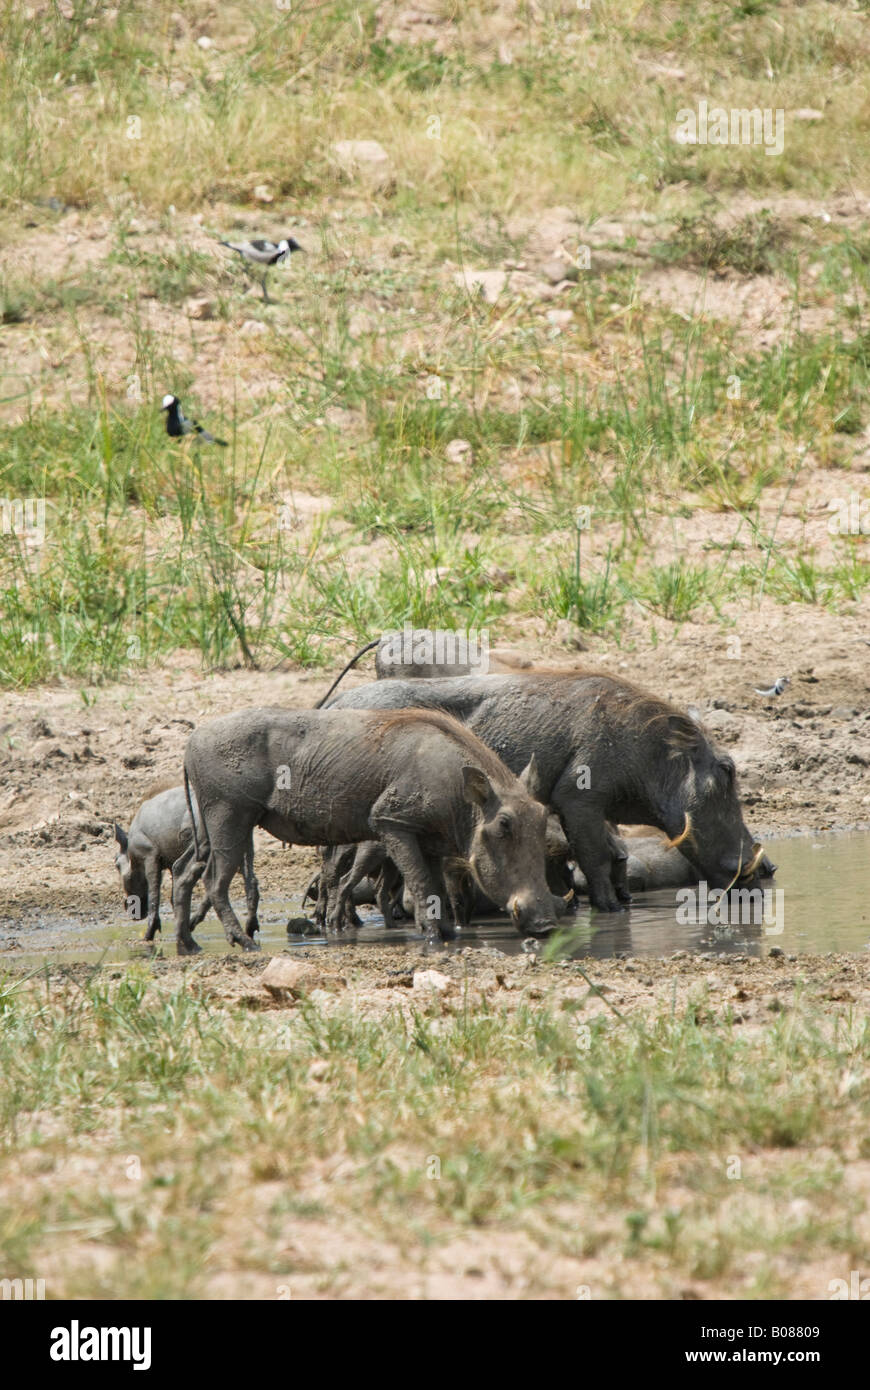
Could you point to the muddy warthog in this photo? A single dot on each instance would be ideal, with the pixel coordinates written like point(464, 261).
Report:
point(161, 837)
point(369, 876)
point(606, 752)
point(417, 781)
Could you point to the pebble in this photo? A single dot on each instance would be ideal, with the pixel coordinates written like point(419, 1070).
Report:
point(557, 270)
point(432, 980)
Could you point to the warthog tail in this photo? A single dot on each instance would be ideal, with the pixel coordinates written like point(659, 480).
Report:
point(192, 816)
point(354, 659)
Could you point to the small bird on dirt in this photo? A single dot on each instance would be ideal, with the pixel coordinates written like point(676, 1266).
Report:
point(777, 688)
point(264, 253)
point(177, 423)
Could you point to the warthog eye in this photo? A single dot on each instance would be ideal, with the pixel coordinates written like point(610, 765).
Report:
point(728, 768)
point(504, 824)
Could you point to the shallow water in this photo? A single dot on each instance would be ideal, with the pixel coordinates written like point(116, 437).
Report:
point(822, 903)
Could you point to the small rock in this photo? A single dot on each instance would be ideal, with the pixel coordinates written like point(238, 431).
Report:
point(361, 322)
point(204, 42)
point(252, 327)
point(283, 976)
point(568, 635)
point(500, 579)
point(262, 194)
point(366, 160)
point(776, 951)
point(807, 113)
point(560, 317)
point(431, 980)
point(843, 712)
point(489, 283)
point(201, 308)
point(558, 270)
point(458, 451)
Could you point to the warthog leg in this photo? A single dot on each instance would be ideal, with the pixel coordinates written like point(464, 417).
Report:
point(332, 914)
point(619, 867)
point(368, 860)
point(252, 888)
point(457, 884)
point(229, 844)
point(153, 874)
point(592, 845)
point(186, 873)
point(388, 891)
point(426, 889)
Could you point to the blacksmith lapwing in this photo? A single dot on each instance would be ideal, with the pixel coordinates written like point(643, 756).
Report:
point(264, 253)
point(777, 688)
point(177, 423)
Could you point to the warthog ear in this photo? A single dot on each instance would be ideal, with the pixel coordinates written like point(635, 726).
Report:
point(532, 780)
point(476, 785)
point(121, 837)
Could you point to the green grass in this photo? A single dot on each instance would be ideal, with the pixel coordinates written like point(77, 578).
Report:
point(749, 246)
point(630, 410)
point(521, 1120)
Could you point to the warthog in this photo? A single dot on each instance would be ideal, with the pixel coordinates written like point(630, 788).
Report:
point(606, 752)
point(369, 876)
point(417, 781)
point(161, 837)
point(422, 653)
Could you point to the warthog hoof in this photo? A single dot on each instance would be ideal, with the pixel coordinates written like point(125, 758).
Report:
point(188, 948)
point(435, 936)
point(248, 944)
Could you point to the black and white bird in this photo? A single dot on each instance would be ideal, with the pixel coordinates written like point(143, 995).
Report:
point(177, 423)
point(264, 253)
point(777, 688)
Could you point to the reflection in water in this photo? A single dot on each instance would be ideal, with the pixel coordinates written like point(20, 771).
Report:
point(824, 881)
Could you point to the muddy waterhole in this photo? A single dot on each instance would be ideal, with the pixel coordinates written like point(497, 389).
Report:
point(818, 902)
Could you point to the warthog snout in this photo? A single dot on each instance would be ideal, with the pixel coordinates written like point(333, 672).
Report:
point(530, 914)
point(751, 864)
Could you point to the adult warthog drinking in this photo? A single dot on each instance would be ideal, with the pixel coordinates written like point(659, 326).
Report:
point(416, 780)
point(606, 751)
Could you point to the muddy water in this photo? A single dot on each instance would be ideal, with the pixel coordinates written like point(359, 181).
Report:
point(819, 901)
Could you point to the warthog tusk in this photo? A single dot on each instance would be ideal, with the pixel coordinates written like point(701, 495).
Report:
point(754, 861)
point(684, 835)
point(569, 896)
point(750, 868)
